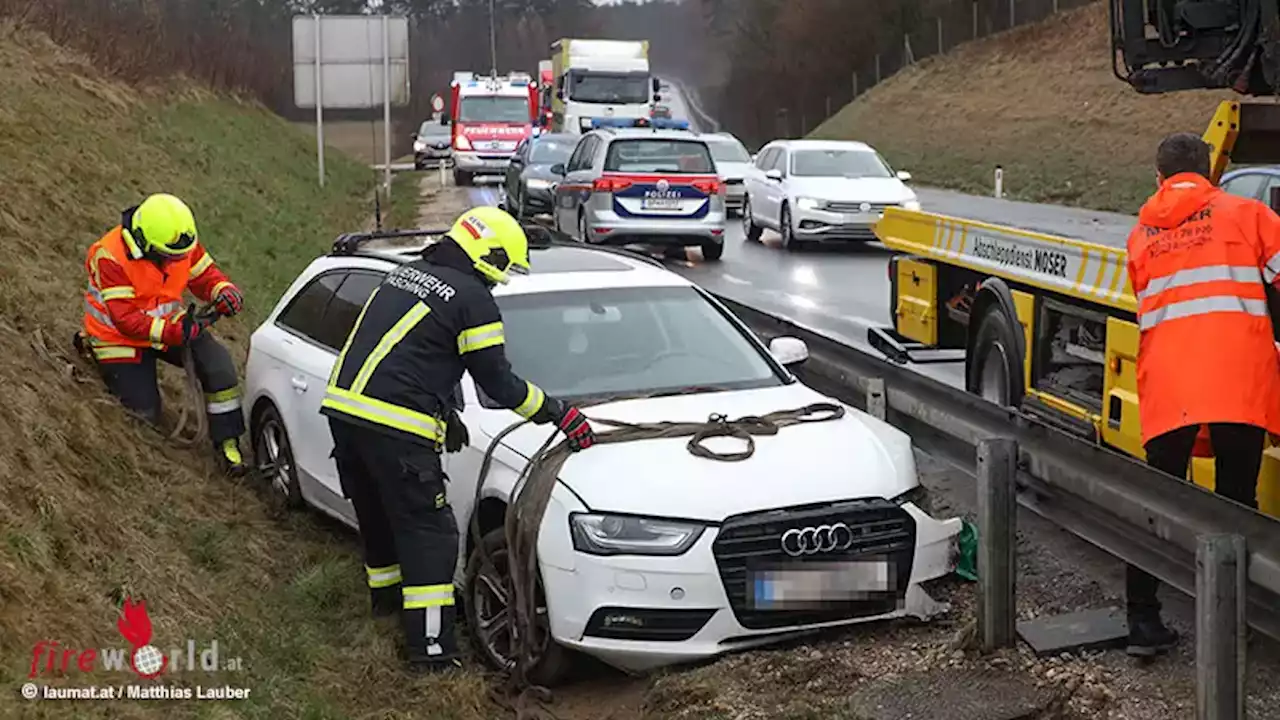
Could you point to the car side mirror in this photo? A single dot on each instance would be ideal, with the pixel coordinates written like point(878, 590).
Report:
point(904, 176)
point(558, 169)
point(774, 175)
point(414, 136)
point(788, 350)
point(657, 98)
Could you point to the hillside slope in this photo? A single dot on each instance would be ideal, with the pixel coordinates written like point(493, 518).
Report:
point(93, 506)
point(1042, 102)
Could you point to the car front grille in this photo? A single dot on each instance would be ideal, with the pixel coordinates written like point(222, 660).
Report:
point(856, 207)
point(747, 543)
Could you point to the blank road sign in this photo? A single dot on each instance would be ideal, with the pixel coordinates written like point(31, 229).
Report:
point(351, 60)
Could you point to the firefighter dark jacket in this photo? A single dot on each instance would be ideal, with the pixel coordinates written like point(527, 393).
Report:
point(421, 328)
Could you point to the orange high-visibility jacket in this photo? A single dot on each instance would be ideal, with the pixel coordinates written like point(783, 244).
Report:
point(132, 303)
point(1198, 261)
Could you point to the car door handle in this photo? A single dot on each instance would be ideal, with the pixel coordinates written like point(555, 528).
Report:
point(299, 384)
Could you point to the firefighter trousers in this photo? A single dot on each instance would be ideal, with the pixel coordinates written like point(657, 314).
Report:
point(137, 385)
point(1237, 451)
point(407, 530)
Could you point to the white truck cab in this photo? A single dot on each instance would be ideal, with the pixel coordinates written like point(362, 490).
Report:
point(600, 79)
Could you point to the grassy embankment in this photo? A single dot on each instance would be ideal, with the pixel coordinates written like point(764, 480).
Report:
point(1042, 102)
point(92, 506)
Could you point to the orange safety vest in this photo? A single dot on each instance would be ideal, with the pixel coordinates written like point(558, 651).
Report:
point(1198, 261)
point(156, 292)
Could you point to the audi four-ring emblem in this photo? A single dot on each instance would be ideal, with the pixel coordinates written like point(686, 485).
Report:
point(817, 539)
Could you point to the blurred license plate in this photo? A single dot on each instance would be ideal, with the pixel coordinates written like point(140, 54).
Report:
point(818, 584)
point(665, 203)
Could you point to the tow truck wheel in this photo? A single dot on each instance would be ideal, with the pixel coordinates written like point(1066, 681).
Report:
point(995, 367)
point(750, 229)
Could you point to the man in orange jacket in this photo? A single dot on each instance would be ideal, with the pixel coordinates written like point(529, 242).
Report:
point(134, 315)
point(1199, 261)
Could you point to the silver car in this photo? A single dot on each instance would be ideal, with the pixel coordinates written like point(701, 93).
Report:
point(641, 181)
point(814, 191)
point(733, 162)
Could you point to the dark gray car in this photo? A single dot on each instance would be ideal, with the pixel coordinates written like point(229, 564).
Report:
point(431, 145)
point(528, 182)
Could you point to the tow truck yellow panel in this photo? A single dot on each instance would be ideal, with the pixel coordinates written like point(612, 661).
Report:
point(1087, 271)
point(917, 311)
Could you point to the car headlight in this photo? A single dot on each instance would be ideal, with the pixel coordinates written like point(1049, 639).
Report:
point(419, 146)
point(607, 534)
point(538, 184)
point(911, 204)
point(808, 203)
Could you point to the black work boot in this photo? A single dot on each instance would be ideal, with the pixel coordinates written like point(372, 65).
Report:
point(385, 601)
point(419, 664)
point(1148, 636)
point(426, 654)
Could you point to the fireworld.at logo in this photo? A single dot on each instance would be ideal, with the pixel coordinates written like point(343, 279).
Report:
point(143, 658)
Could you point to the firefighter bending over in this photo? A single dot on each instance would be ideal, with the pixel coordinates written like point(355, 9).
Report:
point(1200, 260)
point(134, 316)
point(390, 403)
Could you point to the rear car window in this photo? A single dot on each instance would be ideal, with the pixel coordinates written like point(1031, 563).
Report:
point(659, 155)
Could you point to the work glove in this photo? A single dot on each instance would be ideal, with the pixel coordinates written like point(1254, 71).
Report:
point(456, 436)
point(229, 301)
point(575, 426)
point(181, 331)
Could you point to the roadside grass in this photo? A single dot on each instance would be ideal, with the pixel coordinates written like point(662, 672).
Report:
point(93, 506)
point(1042, 102)
point(401, 209)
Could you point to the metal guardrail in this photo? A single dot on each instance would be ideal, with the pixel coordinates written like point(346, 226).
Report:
point(1113, 501)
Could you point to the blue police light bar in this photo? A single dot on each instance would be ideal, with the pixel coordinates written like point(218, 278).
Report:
point(640, 122)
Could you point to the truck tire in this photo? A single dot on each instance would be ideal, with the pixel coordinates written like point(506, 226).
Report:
point(993, 369)
point(461, 178)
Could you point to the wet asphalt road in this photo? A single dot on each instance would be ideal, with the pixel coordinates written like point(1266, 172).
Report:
point(841, 291)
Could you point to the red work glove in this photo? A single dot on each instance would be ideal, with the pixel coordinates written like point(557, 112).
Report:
point(229, 301)
point(179, 331)
point(575, 426)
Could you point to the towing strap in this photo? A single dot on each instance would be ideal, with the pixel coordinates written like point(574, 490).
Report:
point(533, 493)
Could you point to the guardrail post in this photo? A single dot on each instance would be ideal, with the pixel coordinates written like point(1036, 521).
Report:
point(877, 406)
point(1221, 582)
point(997, 566)
point(999, 182)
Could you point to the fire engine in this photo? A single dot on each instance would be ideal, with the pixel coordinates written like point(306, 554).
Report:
point(546, 83)
point(490, 116)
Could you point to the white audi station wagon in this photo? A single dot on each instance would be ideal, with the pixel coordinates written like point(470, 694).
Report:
point(649, 555)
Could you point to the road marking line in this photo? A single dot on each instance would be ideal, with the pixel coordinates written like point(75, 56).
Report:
point(735, 280)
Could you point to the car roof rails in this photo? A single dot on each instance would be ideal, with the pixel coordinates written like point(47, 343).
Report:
point(350, 244)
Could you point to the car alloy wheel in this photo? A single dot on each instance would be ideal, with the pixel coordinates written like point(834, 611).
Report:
point(490, 616)
point(274, 456)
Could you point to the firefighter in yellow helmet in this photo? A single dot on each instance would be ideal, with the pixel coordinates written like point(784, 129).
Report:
point(134, 315)
point(391, 408)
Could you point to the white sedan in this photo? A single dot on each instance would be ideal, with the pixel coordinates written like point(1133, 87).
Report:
point(649, 555)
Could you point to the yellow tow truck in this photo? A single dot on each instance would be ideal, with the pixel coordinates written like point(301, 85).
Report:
point(1047, 322)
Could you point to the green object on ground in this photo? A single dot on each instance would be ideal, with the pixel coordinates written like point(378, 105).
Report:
point(967, 542)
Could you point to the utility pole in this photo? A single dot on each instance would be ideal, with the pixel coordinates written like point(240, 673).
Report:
point(493, 38)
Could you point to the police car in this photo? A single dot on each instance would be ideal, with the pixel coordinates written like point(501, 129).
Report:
point(642, 181)
point(649, 555)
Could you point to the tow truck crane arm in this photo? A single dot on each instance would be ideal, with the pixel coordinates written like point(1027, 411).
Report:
point(1163, 46)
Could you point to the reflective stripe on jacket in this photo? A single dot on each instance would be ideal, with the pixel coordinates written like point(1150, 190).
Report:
point(425, 325)
point(155, 292)
point(1199, 261)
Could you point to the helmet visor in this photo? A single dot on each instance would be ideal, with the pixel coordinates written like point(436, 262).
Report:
point(181, 244)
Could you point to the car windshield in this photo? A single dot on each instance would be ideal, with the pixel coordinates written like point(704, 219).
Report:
point(549, 151)
point(628, 341)
point(646, 155)
point(730, 152)
point(838, 163)
point(597, 87)
point(430, 129)
point(494, 109)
